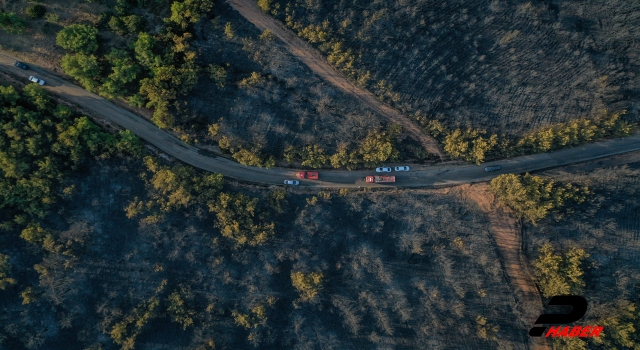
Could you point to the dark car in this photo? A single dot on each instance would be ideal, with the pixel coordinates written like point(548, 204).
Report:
point(20, 65)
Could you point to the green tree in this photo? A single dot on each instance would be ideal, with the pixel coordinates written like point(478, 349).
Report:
point(130, 143)
point(9, 96)
point(184, 13)
point(78, 38)
point(5, 268)
point(377, 148)
point(84, 68)
point(124, 72)
point(11, 23)
point(144, 51)
point(178, 309)
point(228, 30)
point(307, 285)
point(559, 274)
point(265, 5)
point(340, 158)
point(534, 197)
point(239, 219)
point(218, 75)
point(485, 330)
point(621, 322)
point(37, 97)
point(133, 24)
point(36, 11)
point(313, 156)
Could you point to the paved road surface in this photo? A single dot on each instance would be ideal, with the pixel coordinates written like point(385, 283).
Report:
point(419, 176)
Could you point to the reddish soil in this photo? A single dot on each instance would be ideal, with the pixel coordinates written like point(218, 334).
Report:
point(507, 232)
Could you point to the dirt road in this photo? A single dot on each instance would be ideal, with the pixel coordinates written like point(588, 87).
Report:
point(507, 232)
point(419, 176)
point(316, 62)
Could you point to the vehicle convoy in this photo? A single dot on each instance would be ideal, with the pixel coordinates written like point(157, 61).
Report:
point(380, 179)
point(311, 175)
point(36, 80)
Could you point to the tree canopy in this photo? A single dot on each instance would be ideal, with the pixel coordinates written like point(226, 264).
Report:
point(534, 197)
point(78, 38)
point(559, 274)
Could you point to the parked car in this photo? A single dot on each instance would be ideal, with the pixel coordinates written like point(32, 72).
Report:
point(492, 168)
point(292, 182)
point(384, 169)
point(36, 80)
point(402, 168)
point(20, 65)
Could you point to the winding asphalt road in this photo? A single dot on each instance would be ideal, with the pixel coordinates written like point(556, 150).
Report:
point(419, 176)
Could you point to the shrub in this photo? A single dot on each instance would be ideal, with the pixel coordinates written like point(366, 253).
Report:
point(36, 11)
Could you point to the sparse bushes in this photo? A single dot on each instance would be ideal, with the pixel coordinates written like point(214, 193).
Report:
point(559, 274)
point(534, 197)
point(485, 330)
point(78, 38)
point(126, 331)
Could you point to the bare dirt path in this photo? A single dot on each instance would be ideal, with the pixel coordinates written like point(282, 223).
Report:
point(507, 232)
point(317, 63)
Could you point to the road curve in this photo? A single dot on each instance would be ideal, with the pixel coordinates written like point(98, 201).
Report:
point(310, 57)
point(419, 176)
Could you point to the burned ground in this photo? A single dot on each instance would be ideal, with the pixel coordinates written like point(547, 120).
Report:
point(508, 67)
point(286, 105)
point(400, 269)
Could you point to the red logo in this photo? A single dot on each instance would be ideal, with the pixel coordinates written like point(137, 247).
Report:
point(575, 331)
point(578, 309)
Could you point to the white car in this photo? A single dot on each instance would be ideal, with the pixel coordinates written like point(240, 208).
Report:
point(402, 168)
point(291, 182)
point(384, 169)
point(36, 80)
